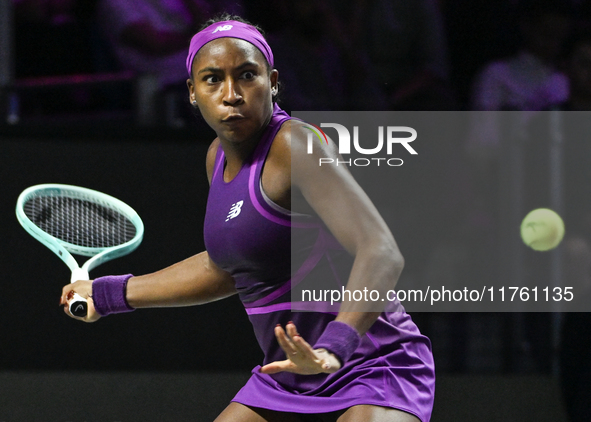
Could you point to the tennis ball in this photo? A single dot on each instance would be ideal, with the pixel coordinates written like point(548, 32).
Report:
point(542, 229)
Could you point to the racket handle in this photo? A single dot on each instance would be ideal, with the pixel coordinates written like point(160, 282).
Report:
point(79, 274)
point(77, 305)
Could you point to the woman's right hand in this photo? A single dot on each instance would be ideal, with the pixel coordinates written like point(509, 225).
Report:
point(84, 289)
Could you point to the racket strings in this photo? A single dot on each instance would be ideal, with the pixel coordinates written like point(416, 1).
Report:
point(79, 222)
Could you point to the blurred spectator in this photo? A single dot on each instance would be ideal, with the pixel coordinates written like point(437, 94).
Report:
point(578, 70)
point(52, 37)
point(576, 329)
point(477, 32)
point(529, 80)
point(271, 16)
point(151, 37)
point(318, 66)
point(363, 55)
point(407, 46)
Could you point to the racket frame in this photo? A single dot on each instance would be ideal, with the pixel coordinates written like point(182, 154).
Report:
point(63, 249)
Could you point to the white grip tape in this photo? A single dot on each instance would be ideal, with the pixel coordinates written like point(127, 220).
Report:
point(79, 274)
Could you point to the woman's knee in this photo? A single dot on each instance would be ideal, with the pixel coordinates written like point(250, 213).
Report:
point(237, 412)
point(370, 413)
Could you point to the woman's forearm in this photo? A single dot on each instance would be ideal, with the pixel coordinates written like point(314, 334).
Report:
point(194, 281)
point(374, 270)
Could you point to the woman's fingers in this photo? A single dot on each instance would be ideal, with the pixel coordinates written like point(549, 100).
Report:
point(286, 344)
point(91, 316)
point(303, 348)
point(294, 346)
point(301, 357)
point(279, 366)
point(291, 329)
point(84, 289)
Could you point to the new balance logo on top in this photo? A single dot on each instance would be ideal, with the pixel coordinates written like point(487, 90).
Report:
point(235, 210)
point(222, 28)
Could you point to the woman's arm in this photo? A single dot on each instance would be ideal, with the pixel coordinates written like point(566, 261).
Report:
point(194, 281)
point(349, 214)
point(352, 218)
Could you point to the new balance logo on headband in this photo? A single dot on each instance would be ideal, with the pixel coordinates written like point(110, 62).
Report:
point(222, 28)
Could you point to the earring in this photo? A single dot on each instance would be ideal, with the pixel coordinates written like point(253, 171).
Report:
point(274, 90)
point(194, 102)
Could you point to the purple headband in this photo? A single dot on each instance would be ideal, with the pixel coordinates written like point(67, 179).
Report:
point(231, 29)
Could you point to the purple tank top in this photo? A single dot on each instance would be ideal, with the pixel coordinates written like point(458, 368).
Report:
point(267, 250)
point(244, 234)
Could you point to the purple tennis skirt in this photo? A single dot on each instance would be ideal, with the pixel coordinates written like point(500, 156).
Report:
point(393, 367)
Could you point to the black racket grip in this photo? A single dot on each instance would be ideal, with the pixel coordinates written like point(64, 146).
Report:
point(78, 306)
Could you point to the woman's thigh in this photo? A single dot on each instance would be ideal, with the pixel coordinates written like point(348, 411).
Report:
point(369, 413)
point(236, 412)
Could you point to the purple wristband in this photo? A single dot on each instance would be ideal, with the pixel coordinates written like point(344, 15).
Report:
point(339, 339)
point(108, 294)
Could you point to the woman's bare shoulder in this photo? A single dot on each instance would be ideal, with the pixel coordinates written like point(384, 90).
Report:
point(210, 159)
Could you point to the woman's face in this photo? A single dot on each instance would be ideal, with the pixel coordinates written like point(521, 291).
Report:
point(232, 85)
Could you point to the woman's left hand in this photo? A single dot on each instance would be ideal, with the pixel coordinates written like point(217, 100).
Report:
point(301, 358)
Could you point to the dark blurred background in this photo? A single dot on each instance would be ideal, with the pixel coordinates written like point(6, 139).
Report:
point(92, 93)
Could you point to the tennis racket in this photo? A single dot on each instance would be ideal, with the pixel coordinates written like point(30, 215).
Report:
point(74, 220)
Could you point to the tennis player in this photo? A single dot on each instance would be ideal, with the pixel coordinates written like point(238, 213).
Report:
point(353, 365)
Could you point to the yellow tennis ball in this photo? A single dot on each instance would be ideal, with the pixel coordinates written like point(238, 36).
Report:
point(542, 229)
